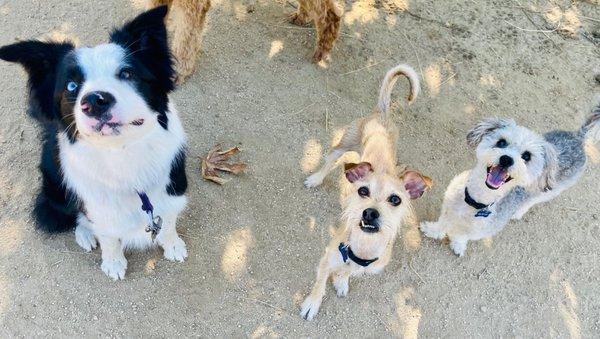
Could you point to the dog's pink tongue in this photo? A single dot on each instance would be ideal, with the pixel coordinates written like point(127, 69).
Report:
point(496, 176)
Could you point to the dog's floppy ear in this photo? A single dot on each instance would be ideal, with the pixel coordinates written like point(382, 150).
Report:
point(355, 172)
point(548, 178)
point(486, 127)
point(145, 39)
point(40, 60)
point(415, 183)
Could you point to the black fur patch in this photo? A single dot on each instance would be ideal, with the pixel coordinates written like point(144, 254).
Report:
point(40, 60)
point(56, 207)
point(178, 184)
point(145, 42)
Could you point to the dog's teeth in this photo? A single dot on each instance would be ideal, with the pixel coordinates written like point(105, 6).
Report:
point(362, 223)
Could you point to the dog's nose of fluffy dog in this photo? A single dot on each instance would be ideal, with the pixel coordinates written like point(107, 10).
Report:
point(370, 215)
point(96, 104)
point(506, 161)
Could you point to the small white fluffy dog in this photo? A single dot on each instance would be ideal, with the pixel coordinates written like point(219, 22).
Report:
point(378, 199)
point(113, 158)
point(516, 169)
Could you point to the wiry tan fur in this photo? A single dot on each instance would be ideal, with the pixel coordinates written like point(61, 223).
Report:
point(327, 16)
point(374, 138)
point(186, 25)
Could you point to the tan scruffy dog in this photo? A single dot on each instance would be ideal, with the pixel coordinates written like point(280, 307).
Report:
point(186, 25)
point(327, 16)
point(378, 199)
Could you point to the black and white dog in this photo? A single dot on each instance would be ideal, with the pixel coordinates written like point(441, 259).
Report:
point(112, 141)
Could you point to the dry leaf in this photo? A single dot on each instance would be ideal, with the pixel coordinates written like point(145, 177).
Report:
point(216, 160)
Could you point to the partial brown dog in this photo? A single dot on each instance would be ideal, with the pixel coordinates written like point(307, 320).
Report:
point(327, 16)
point(186, 25)
point(378, 199)
point(187, 19)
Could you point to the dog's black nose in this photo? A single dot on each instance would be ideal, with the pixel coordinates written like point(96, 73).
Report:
point(370, 215)
point(506, 161)
point(95, 104)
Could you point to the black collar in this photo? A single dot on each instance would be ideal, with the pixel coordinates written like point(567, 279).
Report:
point(471, 202)
point(348, 254)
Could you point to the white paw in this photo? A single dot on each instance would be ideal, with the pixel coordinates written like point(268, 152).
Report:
point(310, 307)
point(85, 238)
point(518, 215)
point(429, 230)
point(341, 286)
point(175, 250)
point(458, 247)
point(313, 181)
point(114, 268)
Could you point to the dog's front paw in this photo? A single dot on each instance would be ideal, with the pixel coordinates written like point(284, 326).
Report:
point(114, 268)
point(310, 307)
point(431, 230)
point(85, 238)
point(458, 247)
point(321, 56)
point(313, 181)
point(341, 286)
point(175, 250)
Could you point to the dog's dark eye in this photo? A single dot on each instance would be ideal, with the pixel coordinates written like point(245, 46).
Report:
point(501, 143)
point(526, 156)
point(363, 191)
point(394, 200)
point(71, 86)
point(125, 74)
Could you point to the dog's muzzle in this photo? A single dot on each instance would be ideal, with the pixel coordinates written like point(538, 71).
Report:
point(370, 221)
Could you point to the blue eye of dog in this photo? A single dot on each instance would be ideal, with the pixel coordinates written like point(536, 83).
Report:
point(71, 86)
point(394, 200)
point(526, 156)
point(501, 143)
point(363, 191)
point(125, 74)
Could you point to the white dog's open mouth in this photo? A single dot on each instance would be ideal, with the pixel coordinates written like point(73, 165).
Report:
point(496, 177)
point(368, 228)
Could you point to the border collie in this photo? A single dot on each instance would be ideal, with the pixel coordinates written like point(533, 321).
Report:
point(113, 157)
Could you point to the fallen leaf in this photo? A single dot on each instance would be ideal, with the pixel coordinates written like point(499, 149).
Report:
point(216, 160)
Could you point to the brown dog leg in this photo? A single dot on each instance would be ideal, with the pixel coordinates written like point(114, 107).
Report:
point(187, 26)
point(328, 30)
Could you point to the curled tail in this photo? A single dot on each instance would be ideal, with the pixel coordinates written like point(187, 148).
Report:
point(591, 127)
point(388, 84)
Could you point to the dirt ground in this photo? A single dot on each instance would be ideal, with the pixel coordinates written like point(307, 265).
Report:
point(255, 242)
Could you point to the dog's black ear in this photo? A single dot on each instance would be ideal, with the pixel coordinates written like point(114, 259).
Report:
point(355, 172)
point(486, 127)
point(145, 39)
point(415, 183)
point(41, 61)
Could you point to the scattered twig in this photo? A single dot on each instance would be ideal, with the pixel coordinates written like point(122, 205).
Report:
point(445, 81)
point(415, 51)
point(532, 30)
point(360, 69)
point(415, 271)
point(264, 303)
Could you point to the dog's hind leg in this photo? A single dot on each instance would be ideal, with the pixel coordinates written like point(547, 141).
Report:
point(302, 16)
point(328, 29)
point(350, 141)
point(84, 236)
point(432, 230)
point(188, 17)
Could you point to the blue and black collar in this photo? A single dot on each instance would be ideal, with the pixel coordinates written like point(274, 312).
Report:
point(348, 254)
point(482, 209)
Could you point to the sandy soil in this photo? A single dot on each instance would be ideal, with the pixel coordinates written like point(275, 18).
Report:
point(255, 242)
